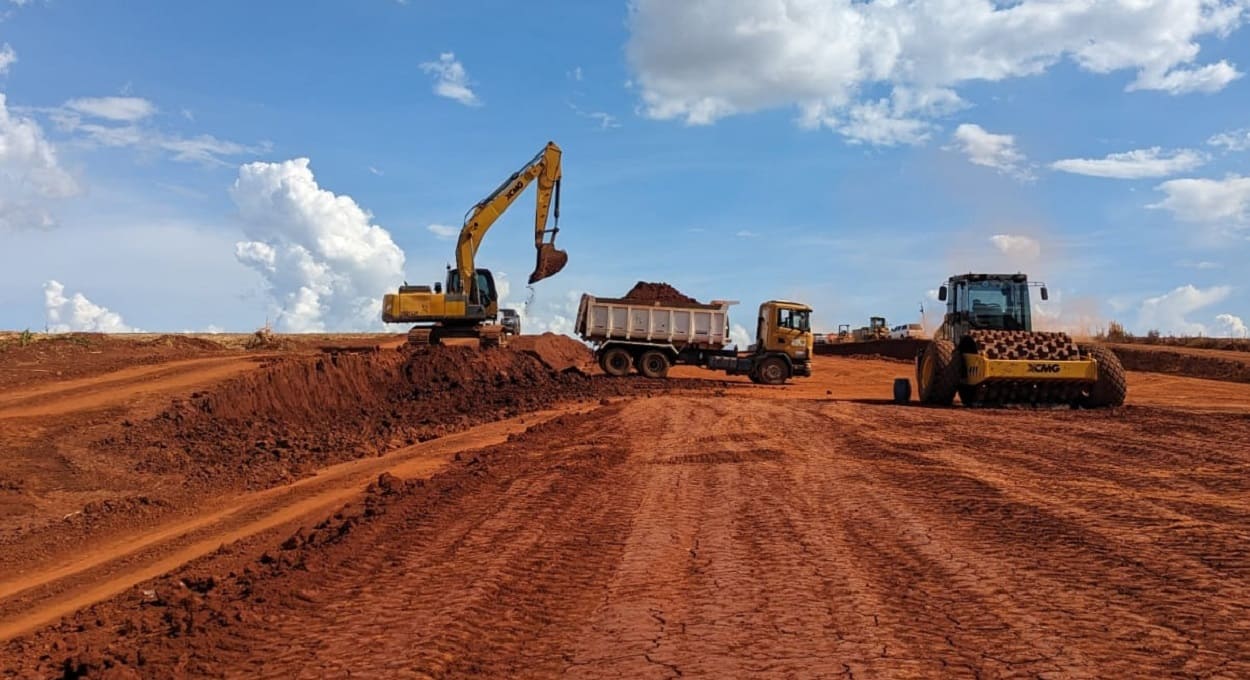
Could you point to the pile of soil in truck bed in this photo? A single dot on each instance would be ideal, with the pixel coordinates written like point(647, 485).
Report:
point(645, 291)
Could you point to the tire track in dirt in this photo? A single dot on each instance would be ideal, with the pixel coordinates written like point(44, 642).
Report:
point(43, 593)
point(746, 536)
point(113, 389)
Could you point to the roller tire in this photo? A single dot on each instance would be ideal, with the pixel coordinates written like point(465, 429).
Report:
point(938, 373)
point(1111, 386)
point(616, 362)
point(653, 364)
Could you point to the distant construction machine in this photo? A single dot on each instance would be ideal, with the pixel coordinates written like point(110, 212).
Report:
point(987, 352)
point(875, 330)
point(469, 307)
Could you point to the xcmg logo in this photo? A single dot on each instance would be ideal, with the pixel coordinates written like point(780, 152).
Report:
point(1043, 368)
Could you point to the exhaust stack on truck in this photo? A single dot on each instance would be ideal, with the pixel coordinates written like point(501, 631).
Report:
point(652, 336)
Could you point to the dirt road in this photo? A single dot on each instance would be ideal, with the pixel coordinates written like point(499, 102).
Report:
point(734, 535)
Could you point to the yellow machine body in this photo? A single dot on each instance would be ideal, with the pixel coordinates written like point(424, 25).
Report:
point(979, 369)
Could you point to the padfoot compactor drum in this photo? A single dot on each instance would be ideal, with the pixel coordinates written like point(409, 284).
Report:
point(987, 353)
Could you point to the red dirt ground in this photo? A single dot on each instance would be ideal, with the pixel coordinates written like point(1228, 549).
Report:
point(694, 527)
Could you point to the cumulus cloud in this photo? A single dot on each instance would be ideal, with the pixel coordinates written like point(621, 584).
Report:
point(1207, 200)
point(326, 265)
point(702, 60)
point(1233, 140)
point(1152, 162)
point(443, 231)
point(1230, 326)
point(1018, 247)
point(7, 58)
point(1168, 313)
point(77, 313)
point(990, 150)
point(450, 79)
point(548, 314)
point(31, 177)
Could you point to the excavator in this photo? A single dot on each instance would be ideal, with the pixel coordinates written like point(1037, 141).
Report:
point(469, 306)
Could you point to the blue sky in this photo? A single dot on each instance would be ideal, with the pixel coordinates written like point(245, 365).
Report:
point(847, 155)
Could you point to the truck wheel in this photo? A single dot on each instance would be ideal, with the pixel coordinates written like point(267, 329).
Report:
point(616, 362)
point(938, 373)
point(773, 371)
point(653, 364)
point(1111, 386)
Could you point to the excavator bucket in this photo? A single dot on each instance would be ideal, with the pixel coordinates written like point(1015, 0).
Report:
point(550, 261)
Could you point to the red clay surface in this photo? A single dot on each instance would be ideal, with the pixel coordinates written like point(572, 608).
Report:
point(693, 527)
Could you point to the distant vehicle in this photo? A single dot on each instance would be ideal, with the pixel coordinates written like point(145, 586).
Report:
point(907, 330)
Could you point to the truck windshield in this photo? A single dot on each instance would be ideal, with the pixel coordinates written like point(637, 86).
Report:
point(794, 319)
point(1000, 305)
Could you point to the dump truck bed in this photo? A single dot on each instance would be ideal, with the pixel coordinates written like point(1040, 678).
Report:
point(602, 320)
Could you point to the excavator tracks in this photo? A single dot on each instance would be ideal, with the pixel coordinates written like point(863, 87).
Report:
point(420, 337)
point(1025, 345)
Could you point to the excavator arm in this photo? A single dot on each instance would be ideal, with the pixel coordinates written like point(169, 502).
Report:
point(545, 168)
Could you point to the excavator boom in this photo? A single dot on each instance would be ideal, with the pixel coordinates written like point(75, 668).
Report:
point(545, 168)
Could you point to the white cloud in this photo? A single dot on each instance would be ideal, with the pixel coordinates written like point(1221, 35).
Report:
point(548, 314)
point(77, 313)
point(327, 267)
point(31, 177)
point(739, 337)
point(443, 232)
point(7, 58)
point(1230, 326)
point(701, 60)
point(576, 73)
point(1015, 246)
point(1167, 313)
point(124, 109)
point(747, 233)
point(1205, 79)
point(1233, 140)
point(1207, 200)
point(450, 79)
point(1152, 162)
point(990, 150)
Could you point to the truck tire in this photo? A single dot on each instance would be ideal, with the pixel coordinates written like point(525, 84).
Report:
point(1111, 386)
point(938, 373)
point(653, 364)
point(773, 371)
point(616, 362)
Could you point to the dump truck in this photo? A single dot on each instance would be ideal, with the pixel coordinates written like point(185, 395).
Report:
point(649, 337)
point(987, 352)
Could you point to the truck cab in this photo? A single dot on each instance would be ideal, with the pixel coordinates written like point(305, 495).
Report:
point(785, 327)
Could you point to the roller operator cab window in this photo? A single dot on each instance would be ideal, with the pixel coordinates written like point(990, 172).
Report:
point(794, 319)
point(998, 305)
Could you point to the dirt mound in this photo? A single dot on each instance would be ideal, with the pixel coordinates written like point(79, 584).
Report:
point(184, 342)
point(558, 352)
point(905, 349)
point(645, 291)
point(302, 413)
point(1194, 364)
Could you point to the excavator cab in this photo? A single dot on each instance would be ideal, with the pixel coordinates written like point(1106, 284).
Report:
point(483, 294)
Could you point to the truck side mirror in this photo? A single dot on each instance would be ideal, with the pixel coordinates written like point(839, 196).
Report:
point(1045, 294)
point(942, 294)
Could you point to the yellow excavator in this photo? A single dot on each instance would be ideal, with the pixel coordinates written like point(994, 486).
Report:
point(469, 306)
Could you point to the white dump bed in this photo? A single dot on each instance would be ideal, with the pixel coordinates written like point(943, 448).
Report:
point(603, 319)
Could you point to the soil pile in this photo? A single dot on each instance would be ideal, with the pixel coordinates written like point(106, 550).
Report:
point(901, 349)
point(662, 293)
point(299, 414)
point(1194, 364)
point(558, 352)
